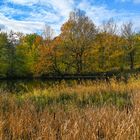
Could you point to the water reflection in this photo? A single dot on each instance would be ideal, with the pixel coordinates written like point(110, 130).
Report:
point(21, 86)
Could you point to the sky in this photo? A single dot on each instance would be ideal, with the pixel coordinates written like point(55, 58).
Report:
point(31, 16)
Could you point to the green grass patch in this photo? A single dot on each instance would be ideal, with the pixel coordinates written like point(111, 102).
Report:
point(119, 100)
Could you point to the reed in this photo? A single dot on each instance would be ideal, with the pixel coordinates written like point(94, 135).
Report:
point(89, 110)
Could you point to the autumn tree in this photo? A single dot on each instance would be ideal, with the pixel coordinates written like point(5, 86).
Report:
point(4, 45)
point(130, 44)
point(49, 56)
point(80, 48)
point(109, 47)
point(13, 39)
point(77, 34)
point(137, 45)
point(27, 54)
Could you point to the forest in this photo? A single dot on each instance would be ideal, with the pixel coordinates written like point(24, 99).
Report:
point(81, 48)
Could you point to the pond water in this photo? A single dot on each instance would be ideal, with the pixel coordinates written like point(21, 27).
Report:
point(21, 86)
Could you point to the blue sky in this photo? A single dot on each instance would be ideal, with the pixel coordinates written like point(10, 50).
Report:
point(30, 16)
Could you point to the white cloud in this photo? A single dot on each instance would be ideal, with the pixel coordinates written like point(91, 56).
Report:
point(100, 13)
point(96, 13)
point(10, 10)
point(40, 14)
point(59, 11)
point(23, 2)
point(62, 6)
point(20, 26)
point(134, 1)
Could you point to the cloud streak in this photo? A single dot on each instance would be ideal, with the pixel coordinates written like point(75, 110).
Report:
point(30, 16)
point(133, 1)
point(101, 13)
point(22, 26)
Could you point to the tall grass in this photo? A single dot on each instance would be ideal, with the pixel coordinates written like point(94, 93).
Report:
point(89, 110)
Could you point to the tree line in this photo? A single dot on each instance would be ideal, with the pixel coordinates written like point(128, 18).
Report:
point(80, 48)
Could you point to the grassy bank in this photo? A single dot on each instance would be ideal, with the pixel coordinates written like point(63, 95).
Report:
point(89, 110)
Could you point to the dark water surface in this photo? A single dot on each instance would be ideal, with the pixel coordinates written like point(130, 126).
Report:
point(21, 86)
point(16, 86)
point(26, 85)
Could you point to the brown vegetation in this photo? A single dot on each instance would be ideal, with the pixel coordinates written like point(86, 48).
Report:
point(90, 110)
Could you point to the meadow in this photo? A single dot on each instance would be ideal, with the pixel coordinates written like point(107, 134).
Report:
point(87, 110)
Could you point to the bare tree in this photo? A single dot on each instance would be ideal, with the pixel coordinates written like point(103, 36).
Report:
point(128, 33)
point(48, 32)
point(109, 26)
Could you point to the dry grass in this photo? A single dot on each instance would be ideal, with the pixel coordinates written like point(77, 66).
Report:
point(50, 114)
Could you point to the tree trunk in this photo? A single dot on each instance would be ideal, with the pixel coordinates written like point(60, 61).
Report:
point(132, 60)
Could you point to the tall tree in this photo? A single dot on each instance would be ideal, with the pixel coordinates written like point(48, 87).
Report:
point(27, 54)
point(129, 35)
point(109, 47)
point(4, 45)
point(78, 34)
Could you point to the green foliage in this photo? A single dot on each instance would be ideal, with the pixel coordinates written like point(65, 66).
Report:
point(80, 48)
point(4, 44)
point(119, 100)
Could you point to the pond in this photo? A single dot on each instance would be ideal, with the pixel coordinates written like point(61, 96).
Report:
point(21, 86)
point(26, 85)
